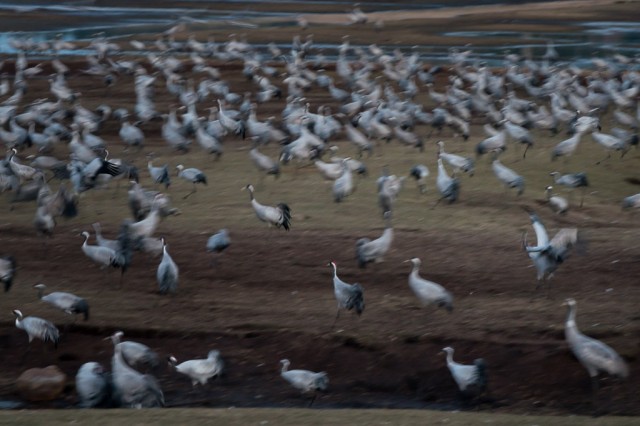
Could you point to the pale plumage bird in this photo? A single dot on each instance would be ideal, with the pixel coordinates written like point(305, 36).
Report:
point(37, 328)
point(159, 174)
point(7, 271)
point(428, 292)
point(92, 385)
point(507, 176)
point(192, 175)
point(471, 379)
point(279, 216)
point(593, 354)
point(304, 380)
point(343, 186)
point(200, 370)
point(420, 172)
point(557, 203)
point(167, 273)
point(135, 354)
point(66, 302)
point(572, 180)
point(349, 296)
point(449, 187)
point(368, 251)
point(131, 388)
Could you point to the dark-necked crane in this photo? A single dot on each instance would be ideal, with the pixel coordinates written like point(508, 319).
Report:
point(167, 273)
point(374, 250)
point(159, 174)
point(92, 385)
point(547, 254)
point(131, 388)
point(428, 292)
point(192, 175)
point(307, 382)
point(593, 354)
point(343, 186)
point(572, 180)
point(279, 216)
point(7, 271)
point(420, 172)
point(507, 176)
point(557, 203)
point(37, 328)
point(449, 187)
point(200, 370)
point(135, 354)
point(66, 302)
point(349, 296)
point(471, 379)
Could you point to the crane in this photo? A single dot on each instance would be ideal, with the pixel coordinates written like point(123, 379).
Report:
point(264, 163)
point(593, 354)
point(92, 385)
point(458, 162)
point(200, 370)
point(420, 172)
point(219, 241)
point(37, 328)
point(159, 174)
point(389, 187)
point(547, 254)
point(192, 175)
point(131, 388)
point(471, 379)
point(304, 380)
point(343, 185)
point(279, 216)
point(507, 176)
point(167, 273)
point(135, 354)
point(373, 250)
point(428, 292)
point(103, 256)
point(8, 267)
point(572, 180)
point(349, 296)
point(104, 242)
point(557, 203)
point(449, 187)
point(66, 302)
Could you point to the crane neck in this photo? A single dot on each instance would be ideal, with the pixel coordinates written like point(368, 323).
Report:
point(40, 293)
point(571, 317)
point(450, 356)
point(285, 367)
point(335, 270)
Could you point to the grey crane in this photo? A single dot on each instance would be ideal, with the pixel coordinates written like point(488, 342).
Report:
point(593, 354)
point(159, 174)
point(389, 187)
point(428, 292)
point(458, 162)
point(471, 379)
point(8, 267)
point(572, 180)
point(343, 185)
point(37, 328)
point(349, 296)
point(632, 201)
point(264, 163)
point(557, 203)
point(131, 134)
point(200, 370)
point(104, 242)
point(420, 172)
point(374, 250)
point(279, 216)
point(66, 302)
point(104, 256)
point(135, 354)
point(167, 273)
point(92, 385)
point(304, 380)
point(131, 388)
point(507, 176)
point(449, 187)
point(192, 175)
point(547, 254)
point(219, 241)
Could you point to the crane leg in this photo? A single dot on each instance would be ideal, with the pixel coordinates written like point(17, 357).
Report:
point(192, 192)
point(313, 398)
point(336, 319)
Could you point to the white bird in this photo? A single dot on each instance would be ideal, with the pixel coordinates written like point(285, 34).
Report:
point(304, 380)
point(428, 292)
point(92, 385)
point(507, 176)
point(131, 388)
point(66, 302)
point(374, 250)
point(471, 379)
point(547, 254)
point(264, 163)
point(349, 296)
point(37, 328)
point(343, 185)
point(449, 187)
point(131, 135)
point(192, 175)
point(135, 354)
point(572, 180)
point(279, 216)
point(7, 271)
point(200, 370)
point(167, 273)
point(557, 203)
point(458, 162)
point(593, 354)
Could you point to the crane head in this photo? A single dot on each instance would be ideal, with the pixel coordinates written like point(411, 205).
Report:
point(40, 286)
point(568, 302)
point(448, 350)
point(17, 313)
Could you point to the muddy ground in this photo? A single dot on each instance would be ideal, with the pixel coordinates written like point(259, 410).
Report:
point(270, 295)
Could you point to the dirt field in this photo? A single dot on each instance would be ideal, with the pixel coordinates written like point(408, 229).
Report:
point(270, 295)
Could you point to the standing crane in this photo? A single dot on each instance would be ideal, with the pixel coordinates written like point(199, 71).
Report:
point(547, 254)
point(167, 272)
point(343, 185)
point(428, 292)
point(449, 187)
point(7, 271)
point(200, 370)
point(557, 203)
point(103, 256)
point(264, 163)
point(279, 216)
point(159, 174)
point(219, 241)
point(349, 296)
point(66, 302)
point(37, 328)
point(304, 380)
point(507, 176)
point(374, 250)
point(131, 388)
point(458, 162)
point(420, 172)
point(192, 175)
point(135, 354)
point(92, 385)
point(593, 354)
point(471, 379)
point(572, 180)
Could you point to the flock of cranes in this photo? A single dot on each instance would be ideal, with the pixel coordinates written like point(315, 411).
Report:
point(370, 115)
